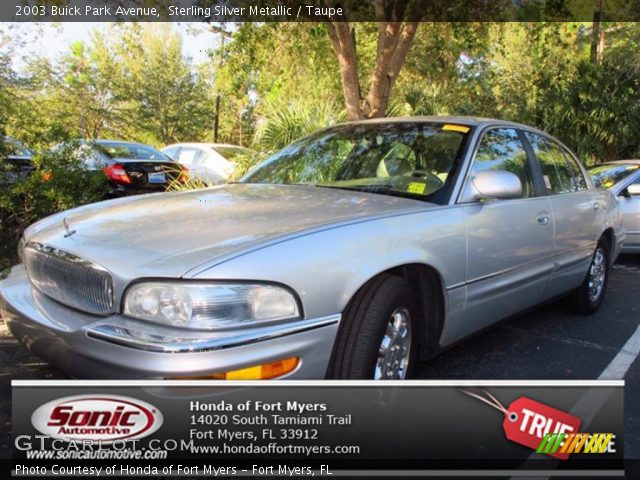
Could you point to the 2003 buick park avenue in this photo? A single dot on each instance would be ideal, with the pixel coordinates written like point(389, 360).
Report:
point(352, 253)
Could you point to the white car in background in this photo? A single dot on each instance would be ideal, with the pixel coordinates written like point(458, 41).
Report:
point(211, 163)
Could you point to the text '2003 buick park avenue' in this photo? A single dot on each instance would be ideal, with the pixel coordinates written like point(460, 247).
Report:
point(352, 253)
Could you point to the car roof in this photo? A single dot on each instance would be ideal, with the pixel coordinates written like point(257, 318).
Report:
point(208, 145)
point(469, 121)
point(103, 141)
point(459, 119)
point(621, 162)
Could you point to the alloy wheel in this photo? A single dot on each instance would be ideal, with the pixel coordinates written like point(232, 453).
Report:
point(395, 349)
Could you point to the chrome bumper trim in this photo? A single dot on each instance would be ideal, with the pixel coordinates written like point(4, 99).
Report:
point(122, 336)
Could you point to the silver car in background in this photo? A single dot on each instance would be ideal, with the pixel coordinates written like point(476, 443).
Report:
point(210, 163)
point(622, 178)
point(352, 253)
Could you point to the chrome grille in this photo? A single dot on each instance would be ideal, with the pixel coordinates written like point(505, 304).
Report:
point(68, 279)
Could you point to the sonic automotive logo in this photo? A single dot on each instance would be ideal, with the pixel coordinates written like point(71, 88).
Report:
point(103, 418)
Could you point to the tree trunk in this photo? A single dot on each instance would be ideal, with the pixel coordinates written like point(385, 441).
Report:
point(343, 40)
point(398, 41)
point(595, 31)
point(395, 38)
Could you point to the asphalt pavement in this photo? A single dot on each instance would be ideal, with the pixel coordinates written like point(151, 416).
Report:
point(547, 343)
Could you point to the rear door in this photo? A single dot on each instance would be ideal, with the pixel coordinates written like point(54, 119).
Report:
point(577, 210)
point(508, 241)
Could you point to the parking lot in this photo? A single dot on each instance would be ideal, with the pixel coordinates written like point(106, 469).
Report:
point(547, 343)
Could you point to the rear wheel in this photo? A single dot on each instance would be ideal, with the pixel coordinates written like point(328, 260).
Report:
point(588, 297)
point(377, 338)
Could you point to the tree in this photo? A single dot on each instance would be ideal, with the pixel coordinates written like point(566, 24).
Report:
point(86, 84)
point(597, 112)
point(164, 98)
point(398, 22)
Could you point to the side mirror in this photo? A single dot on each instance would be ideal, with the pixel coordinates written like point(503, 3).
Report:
point(633, 189)
point(493, 185)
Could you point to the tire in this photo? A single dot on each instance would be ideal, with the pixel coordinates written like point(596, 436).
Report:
point(588, 297)
point(358, 351)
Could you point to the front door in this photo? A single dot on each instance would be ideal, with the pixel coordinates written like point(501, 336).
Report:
point(508, 241)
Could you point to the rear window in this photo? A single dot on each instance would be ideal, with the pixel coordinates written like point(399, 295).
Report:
point(130, 151)
point(15, 148)
point(606, 176)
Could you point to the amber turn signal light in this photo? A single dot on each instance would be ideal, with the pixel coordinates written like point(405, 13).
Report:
point(259, 372)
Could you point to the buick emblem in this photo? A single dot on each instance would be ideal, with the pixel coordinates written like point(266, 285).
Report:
point(67, 227)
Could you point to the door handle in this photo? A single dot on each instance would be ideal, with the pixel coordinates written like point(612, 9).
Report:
point(543, 219)
point(596, 206)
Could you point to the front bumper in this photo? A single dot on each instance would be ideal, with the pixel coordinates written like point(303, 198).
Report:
point(86, 346)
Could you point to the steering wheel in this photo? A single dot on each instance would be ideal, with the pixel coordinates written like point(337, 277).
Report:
point(428, 177)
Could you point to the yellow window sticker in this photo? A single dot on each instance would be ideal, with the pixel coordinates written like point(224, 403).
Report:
point(455, 128)
point(416, 187)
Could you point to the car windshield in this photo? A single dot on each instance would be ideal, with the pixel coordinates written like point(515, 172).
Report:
point(130, 150)
point(414, 160)
point(15, 148)
point(606, 176)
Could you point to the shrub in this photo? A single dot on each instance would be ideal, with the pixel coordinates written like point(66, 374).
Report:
point(58, 182)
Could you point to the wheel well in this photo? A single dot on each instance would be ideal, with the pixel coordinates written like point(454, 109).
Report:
point(610, 237)
point(431, 298)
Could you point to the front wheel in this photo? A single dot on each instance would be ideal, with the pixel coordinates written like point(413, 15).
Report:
point(588, 297)
point(377, 338)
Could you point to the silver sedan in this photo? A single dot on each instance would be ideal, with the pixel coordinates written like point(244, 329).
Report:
point(622, 178)
point(352, 253)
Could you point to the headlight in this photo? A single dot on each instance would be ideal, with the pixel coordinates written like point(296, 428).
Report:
point(210, 306)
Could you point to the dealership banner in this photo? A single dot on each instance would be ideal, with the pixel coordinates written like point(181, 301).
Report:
point(315, 428)
point(308, 11)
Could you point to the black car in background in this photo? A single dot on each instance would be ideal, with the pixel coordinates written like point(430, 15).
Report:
point(131, 168)
point(15, 162)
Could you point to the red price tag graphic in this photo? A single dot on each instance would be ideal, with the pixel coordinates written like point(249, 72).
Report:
point(526, 421)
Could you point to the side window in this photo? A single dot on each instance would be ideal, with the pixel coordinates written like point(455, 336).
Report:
point(579, 180)
point(501, 149)
point(556, 171)
point(189, 156)
point(171, 151)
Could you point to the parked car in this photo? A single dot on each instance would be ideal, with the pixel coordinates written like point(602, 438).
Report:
point(622, 178)
point(131, 168)
point(351, 253)
point(211, 163)
point(16, 164)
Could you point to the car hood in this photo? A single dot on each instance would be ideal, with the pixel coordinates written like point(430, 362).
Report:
point(170, 234)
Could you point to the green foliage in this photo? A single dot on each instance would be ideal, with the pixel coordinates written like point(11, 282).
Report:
point(272, 63)
point(58, 183)
point(162, 98)
point(598, 110)
point(283, 122)
point(129, 81)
